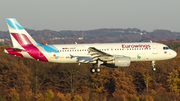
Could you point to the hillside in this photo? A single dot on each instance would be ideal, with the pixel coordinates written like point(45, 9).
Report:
point(97, 36)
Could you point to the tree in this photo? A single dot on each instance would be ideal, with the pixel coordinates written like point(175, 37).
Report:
point(49, 95)
point(39, 74)
point(39, 97)
point(100, 81)
point(173, 82)
point(77, 98)
point(64, 97)
point(69, 77)
point(16, 75)
point(123, 85)
point(147, 79)
point(15, 97)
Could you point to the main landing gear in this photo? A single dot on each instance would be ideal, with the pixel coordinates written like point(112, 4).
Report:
point(98, 69)
point(153, 64)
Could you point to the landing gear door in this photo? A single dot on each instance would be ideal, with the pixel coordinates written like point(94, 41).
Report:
point(154, 49)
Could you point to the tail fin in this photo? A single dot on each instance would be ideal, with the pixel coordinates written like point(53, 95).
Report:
point(19, 35)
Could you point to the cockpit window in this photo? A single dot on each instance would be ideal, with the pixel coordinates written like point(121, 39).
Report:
point(165, 48)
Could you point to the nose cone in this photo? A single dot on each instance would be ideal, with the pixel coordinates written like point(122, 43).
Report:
point(174, 54)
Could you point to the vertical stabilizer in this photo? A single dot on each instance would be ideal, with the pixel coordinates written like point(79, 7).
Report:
point(19, 35)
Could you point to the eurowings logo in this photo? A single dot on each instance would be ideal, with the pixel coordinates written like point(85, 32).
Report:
point(135, 46)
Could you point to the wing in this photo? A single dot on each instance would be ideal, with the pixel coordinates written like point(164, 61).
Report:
point(97, 54)
point(84, 59)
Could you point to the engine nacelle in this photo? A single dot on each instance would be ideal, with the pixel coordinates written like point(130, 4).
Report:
point(122, 61)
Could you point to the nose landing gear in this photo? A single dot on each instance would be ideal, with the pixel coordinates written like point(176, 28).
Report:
point(153, 64)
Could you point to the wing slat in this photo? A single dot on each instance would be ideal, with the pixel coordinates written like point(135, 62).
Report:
point(97, 54)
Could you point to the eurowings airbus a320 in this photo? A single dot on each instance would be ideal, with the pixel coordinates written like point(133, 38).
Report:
point(109, 54)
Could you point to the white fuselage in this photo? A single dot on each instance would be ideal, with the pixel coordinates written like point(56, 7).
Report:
point(145, 51)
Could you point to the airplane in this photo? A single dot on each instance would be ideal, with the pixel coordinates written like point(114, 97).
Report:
point(109, 54)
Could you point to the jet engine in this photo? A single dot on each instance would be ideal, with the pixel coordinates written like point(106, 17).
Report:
point(122, 61)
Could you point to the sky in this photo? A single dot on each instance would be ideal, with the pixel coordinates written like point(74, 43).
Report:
point(79, 15)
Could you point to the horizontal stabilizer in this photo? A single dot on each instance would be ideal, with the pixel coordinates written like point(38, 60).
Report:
point(16, 50)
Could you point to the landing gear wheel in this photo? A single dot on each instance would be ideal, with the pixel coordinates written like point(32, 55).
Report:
point(93, 70)
point(98, 70)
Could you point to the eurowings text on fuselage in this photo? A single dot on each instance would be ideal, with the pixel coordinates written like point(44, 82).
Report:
point(116, 54)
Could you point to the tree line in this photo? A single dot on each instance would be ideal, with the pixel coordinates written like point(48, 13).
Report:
point(97, 35)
